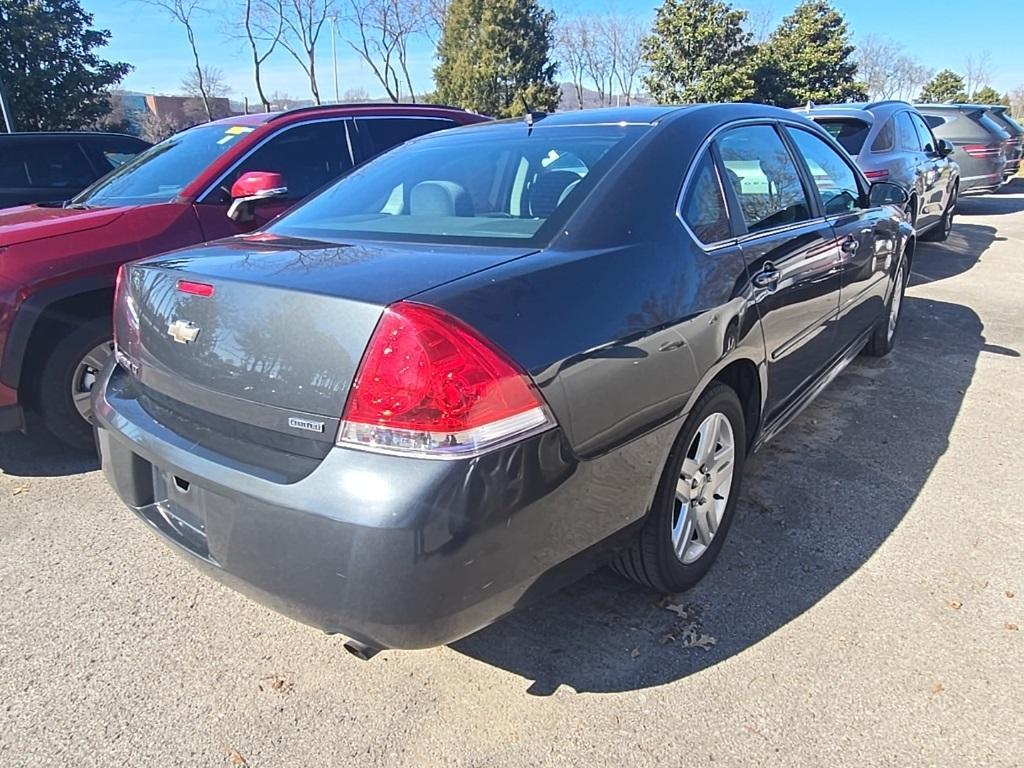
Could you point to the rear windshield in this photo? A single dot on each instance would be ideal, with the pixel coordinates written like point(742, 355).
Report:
point(160, 173)
point(849, 132)
point(1006, 122)
point(496, 185)
point(991, 126)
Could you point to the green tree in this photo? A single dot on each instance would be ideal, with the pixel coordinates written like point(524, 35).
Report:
point(494, 57)
point(989, 95)
point(947, 85)
point(698, 51)
point(53, 76)
point(809, 58)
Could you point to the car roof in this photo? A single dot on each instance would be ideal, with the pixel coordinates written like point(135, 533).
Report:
point(18, 135)
point(335, 110)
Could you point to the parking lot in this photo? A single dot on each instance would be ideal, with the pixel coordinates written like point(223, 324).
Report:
point(865, 611)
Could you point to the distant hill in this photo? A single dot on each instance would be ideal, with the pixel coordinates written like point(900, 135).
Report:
point(591, 99)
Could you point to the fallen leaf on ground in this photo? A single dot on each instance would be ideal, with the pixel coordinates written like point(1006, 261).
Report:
point(956, 605)
point(1011, 627)
point(236, 757)
point(635, 652)
point(277, 684)
point(678, 610)
point(938, 688)
point(1008, 593)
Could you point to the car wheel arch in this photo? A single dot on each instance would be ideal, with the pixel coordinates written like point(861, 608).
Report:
point(44, 314)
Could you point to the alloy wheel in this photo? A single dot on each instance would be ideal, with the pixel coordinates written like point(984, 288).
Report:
point(897, 301)
point(86, 373)
point(703, 488)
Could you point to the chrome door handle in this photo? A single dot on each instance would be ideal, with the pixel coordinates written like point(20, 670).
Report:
point(850, 245)
point(767, 278)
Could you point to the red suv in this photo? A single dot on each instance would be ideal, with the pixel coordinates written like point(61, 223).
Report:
point(58, 263)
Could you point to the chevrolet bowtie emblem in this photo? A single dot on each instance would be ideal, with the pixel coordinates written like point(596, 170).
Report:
point(183, 331)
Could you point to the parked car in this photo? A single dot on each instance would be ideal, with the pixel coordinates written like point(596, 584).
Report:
point(57, 265)
point(890, 141)
point(54, 167)
point(1015, 144)
point(980, 144)
point(494, 358)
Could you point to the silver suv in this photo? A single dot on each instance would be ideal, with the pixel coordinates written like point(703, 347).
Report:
point(890, 141)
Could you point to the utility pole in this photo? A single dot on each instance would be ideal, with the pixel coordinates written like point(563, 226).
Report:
point(5, 109)
point(334, 55)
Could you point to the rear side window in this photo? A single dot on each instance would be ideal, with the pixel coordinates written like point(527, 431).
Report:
point(850, 133)
point(764, 176)
point(381, 134)
point(704, 209)
point(934, 121)
point(991, 126)
point(908, 139)
point(834, 179)
point(885, 139)
point(45, 164)
point(307, 156)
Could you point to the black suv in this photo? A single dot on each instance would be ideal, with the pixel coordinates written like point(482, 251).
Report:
point(51, 167)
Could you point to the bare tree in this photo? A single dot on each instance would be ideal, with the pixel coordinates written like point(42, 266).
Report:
point(599, 62)
point(260, 23)
point(155, 128)
point(886, 71)
point(625, 36)
point(435, 14)
point(1017, 102)
point(184, 12)
point(355, 95)
point(216, 88)
point(381, 33)
point(302, 21)
point(570, 54)
point(759, 23)
point(977, 72)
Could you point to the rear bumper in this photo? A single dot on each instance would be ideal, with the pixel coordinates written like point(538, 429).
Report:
point(394, 552)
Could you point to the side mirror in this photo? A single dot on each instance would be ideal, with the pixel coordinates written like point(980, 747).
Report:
point(945, 148)
point(887, 193)
point(251, 188)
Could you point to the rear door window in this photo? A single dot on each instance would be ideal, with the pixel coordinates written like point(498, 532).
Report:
point(764, 176)
point(307, 155)
point(907, 133)
point(833, 177)
point(704, 209)
point(45, 165)
point(379, 134)
point(885, 139)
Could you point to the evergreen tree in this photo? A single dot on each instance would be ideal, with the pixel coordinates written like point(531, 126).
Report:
point(53, 77)
point(698, 51)
point(494, 57)
point(947, 85)
point(989, 95)
point(809, 58)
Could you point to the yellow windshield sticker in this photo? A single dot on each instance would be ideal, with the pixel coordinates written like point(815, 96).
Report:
point(233, 131)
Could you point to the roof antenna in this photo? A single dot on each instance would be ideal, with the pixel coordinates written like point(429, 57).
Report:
point(531, 117)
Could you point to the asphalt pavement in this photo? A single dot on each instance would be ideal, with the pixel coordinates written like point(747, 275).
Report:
point(867, 609)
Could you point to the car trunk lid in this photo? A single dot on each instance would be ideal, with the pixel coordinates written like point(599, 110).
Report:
point(276, 342)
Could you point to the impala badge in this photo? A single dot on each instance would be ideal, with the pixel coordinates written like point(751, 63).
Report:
point(183, 331)
point(307, 424)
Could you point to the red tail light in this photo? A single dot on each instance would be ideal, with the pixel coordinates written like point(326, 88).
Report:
point(194, 288)
point(432, 386)
point(981, 150)
point(880, 175)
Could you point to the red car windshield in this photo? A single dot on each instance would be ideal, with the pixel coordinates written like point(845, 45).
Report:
point(160, 173)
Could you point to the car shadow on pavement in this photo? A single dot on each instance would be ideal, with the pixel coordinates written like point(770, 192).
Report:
point(817, 502)
point(39, 455)
point(1010, 199)
point(964, 248)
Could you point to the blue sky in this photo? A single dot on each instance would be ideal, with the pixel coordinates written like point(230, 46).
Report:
point(939, 33)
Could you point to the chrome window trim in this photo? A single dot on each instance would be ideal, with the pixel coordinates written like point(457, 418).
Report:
point(774, 122)
point(201, 198)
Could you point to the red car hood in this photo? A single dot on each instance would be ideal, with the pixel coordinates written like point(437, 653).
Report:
point(31, 222)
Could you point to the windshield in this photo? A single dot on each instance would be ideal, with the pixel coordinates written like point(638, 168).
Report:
point(494, 185)
point(161, 172)
point(849, 132)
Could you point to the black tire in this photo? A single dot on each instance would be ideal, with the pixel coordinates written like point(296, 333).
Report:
point(53, 401)
point(652, 560)
point(882, 341)
point(940, 232)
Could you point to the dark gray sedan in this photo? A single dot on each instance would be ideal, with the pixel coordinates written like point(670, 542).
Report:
point(496, 358)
